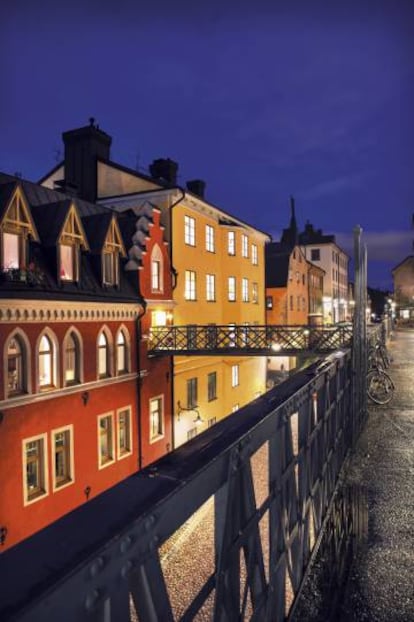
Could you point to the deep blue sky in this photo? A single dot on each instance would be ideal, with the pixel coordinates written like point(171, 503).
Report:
point(261, 102)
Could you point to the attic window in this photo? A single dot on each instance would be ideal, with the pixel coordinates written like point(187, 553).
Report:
point(113, 247)
point(71, 239)
point(16, 226)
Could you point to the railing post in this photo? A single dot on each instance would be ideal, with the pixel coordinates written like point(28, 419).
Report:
point(359, 350)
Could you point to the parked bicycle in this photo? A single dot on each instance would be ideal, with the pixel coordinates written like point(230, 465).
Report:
point(380, 386)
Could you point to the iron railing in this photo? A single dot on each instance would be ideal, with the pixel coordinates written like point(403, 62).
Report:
point(250, 340)
point(102, 561)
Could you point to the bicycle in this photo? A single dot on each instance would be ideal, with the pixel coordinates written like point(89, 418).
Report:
point(380, 386)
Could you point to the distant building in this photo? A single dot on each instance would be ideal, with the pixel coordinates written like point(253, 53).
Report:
point(323, 251)
point(403, 280)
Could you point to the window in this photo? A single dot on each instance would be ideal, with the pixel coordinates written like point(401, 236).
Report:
point(190, 285)
point(245, 290)
point(192, 433)
point(16, 226)
point(110, 261)
point(269, 302)
point(298, 303)
point(103, 356)
point(234, 375)
point(106, 440)
point(68, 262)
point(112, 249)
point(210, 287)
point(156, 418)
point(254, 255)
point(303, 279)
point(192, 393)
point(72, 361)
point(124, 432)
point(231, 288)
point(231, 243)
point(15, 367)
point(121, 353)
point(245, 245)
point(62, 457)
point(47, 377)
point(255, 293)
point(212, 386)
point(297, 277)
point(189, 230)
point(210, 241)
point(156, 269)
point(35, 483)
point(315, 254)
point(211, 422)
point(291, 303)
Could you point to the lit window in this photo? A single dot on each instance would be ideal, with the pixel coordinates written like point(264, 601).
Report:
point(192, 391)
point(16, 226)
point(245, 245)
point(255, 293)
point(105, 440)
point(158, 318)
point(190, 285)
point(63, 457)
point(234, 375)
point(156, 418)
point(121, 353)
point(11, 255)
point(72, 359)
point(231, 288)
point(245, 290)
point(231, 243)
point(35, 468)
point(68, 262)
point(15, 367)
point(189, 230)
point(210, 287)
point(210, 243)
point(110, 262)
point(212, 386)
point(112, 249)
point(124, 432)
point(156, 269)
point(254, 255)
point(103, 356)
point(46, 363)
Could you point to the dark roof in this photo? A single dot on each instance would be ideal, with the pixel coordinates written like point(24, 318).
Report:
point(314, 236)
point(408, 258)
point(6, 191)
point(49, 209)
point(277, 265)
point(96, 228)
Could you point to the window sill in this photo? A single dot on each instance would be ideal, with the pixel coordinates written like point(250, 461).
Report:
point(63, 484)
point(124, 454)
point(103, 465)
point(155, 439)
point(37, 497)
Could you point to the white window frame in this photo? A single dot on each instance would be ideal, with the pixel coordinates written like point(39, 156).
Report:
point(231, 289)
point(71, 458)
point(159, 436)
point(210, 239)
point(45, 493)
point(109, 362)
point(189, 230)
point(235, 375)
point(245, 245)
point(255, 259)
point(127, 350)
point(78, 357)
point(157, 279)
point(54, 362)
point(231, 242)
point(255, 293)
point(119, 412)
point(190, 285)
point(210, 287)
point(109, 415)
point(245, 290)
point(26, 370)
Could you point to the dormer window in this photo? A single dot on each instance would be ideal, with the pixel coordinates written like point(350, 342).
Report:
point(71, 240)
point(113, 247)
point(15, 227)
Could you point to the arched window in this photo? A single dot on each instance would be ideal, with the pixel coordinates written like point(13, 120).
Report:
point(121, 353)
point(156, 269)
point(103, 356)
point(46, 363)
point(72, 359)
point(15, 367)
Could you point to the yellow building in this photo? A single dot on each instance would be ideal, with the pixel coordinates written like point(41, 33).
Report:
point(218, 261)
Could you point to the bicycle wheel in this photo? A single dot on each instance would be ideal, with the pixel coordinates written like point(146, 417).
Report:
point(380, 387)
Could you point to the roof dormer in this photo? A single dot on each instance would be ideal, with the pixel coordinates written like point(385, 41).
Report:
point(71, 240)
point(16, 226)
point(113, 247)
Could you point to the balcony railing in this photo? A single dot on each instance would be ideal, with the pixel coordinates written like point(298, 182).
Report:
point(269, 471)
point(249, 340)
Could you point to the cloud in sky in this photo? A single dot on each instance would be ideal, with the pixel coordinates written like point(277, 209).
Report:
point(382, 246)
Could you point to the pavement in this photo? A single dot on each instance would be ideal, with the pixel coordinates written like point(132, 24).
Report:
point(381, 582)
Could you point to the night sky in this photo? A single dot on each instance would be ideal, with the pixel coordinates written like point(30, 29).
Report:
point(261, 102)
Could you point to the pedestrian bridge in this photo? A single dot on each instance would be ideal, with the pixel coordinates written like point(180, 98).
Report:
point(239, 340)
point(262, 478)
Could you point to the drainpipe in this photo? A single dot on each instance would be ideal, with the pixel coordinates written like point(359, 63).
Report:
point(139, 381)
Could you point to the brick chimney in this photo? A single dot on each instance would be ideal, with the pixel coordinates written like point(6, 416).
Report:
point(83, 147)
point(197, 186)
point(165, 170)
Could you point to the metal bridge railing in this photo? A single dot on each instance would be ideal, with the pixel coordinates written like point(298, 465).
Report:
point(269, 472)
point(236, 339)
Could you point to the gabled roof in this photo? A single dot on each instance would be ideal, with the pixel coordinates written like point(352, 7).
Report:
point(6, 193)
point(408, 258)
point(277, 265)
point(49, 219)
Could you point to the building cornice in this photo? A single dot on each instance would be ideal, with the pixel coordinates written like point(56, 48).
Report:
point(13, 310)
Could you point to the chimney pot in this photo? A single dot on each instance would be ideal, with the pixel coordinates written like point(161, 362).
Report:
point(197, 186)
